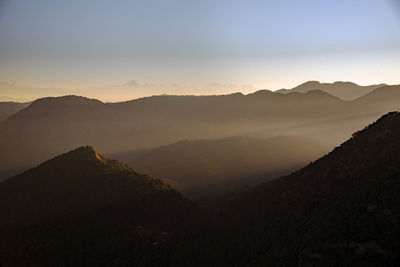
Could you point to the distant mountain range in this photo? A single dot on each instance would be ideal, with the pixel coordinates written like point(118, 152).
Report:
point(343, 90)
point(50, 126)
point(82, 209)
point(383, 97)
point(9, 108)
point(205, 168)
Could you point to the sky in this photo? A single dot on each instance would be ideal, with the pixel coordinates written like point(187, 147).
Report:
point(119, 49)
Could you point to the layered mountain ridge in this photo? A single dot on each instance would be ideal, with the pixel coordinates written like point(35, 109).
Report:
point(53, 125)
point(344, 90)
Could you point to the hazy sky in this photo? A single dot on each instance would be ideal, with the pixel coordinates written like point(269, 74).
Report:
point(265, 44)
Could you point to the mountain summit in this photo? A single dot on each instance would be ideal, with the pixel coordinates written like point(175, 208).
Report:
point(53, 106)
point(343, 90)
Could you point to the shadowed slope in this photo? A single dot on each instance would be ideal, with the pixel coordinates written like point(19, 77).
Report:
point(342, 210)
point(69, 211)
point(78, 180)
point(201, 167)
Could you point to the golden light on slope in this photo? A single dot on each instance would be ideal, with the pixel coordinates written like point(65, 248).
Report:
point(99, 158)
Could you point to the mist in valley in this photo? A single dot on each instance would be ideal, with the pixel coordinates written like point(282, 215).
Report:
point(199, 133)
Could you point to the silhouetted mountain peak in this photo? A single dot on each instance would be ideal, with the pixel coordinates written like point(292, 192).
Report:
point(236, 94)
point(85, 153)
point(86, 159)
point(309, 83)
point(52, 105)
point(342, 89)
point(68, 100)
point(340, 83)
point(312, 84)
point(263, 92)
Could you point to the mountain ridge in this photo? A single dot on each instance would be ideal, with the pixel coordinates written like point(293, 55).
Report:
point(341, 210)
point(47, 130)
point(344, 90)
point(42, 105)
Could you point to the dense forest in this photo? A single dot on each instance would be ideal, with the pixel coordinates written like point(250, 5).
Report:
point(81, 209)
point(342, 210)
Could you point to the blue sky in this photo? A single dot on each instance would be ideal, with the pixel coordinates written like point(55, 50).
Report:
point(268, 44)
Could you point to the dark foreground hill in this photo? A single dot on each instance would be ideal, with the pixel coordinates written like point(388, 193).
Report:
point(342, 210)
point(205, 168)
point(81, 209)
